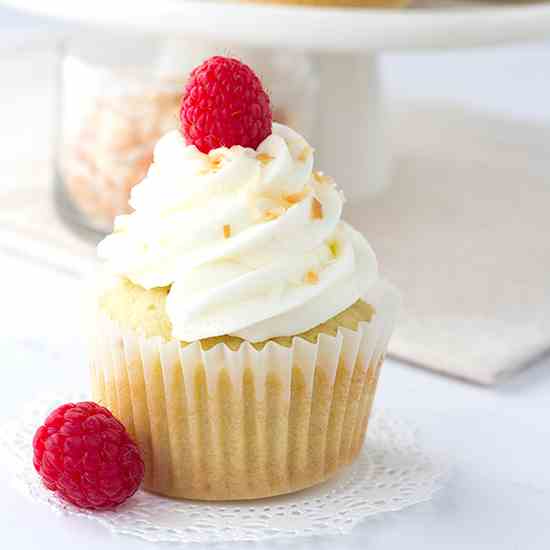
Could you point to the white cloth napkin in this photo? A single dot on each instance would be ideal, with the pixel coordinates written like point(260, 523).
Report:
point(464, 232)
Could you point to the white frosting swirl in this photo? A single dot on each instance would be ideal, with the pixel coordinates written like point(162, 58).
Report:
point(250, 241)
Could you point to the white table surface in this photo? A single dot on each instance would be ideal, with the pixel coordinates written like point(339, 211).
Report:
point(498, 439)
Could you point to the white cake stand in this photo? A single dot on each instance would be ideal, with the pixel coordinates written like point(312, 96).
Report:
point(350, 138)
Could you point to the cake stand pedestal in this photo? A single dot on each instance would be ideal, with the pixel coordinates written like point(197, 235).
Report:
point(351, 138)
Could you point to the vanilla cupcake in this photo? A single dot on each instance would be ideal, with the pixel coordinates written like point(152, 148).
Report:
point(240, 332)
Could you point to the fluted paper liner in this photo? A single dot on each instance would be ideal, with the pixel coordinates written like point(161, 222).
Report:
point(219, 424)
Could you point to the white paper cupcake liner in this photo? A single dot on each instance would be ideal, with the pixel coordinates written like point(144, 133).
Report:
point(220, 424)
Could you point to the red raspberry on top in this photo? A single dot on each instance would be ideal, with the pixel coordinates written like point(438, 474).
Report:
point(86, 455)
point(224, 104)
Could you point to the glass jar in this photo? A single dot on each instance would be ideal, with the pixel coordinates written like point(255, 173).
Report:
point(115, 105)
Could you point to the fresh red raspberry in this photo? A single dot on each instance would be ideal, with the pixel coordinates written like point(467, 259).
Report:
point(224, 104)
point(86, 455)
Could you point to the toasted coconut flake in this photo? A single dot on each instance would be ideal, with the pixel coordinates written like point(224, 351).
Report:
point(316, 209)
point(304, 153)
point(320, 178)
point(226, 231)
point(271, 215)
point(297, 197)
point(334, 247)
point(311, 277)
point(266, 208)
point(264, 158)
point(216, 163)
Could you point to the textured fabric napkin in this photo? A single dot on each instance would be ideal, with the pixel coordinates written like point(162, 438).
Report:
point(464, 231)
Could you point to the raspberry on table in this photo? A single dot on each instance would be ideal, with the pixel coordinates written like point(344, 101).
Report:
point(224, 104)
point(84, 454)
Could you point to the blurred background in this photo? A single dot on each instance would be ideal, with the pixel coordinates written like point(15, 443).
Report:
point(443, 155)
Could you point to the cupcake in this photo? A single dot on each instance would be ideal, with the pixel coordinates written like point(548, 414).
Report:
point(240, 325)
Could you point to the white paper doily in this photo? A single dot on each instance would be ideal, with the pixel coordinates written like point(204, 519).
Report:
point(393, 471)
